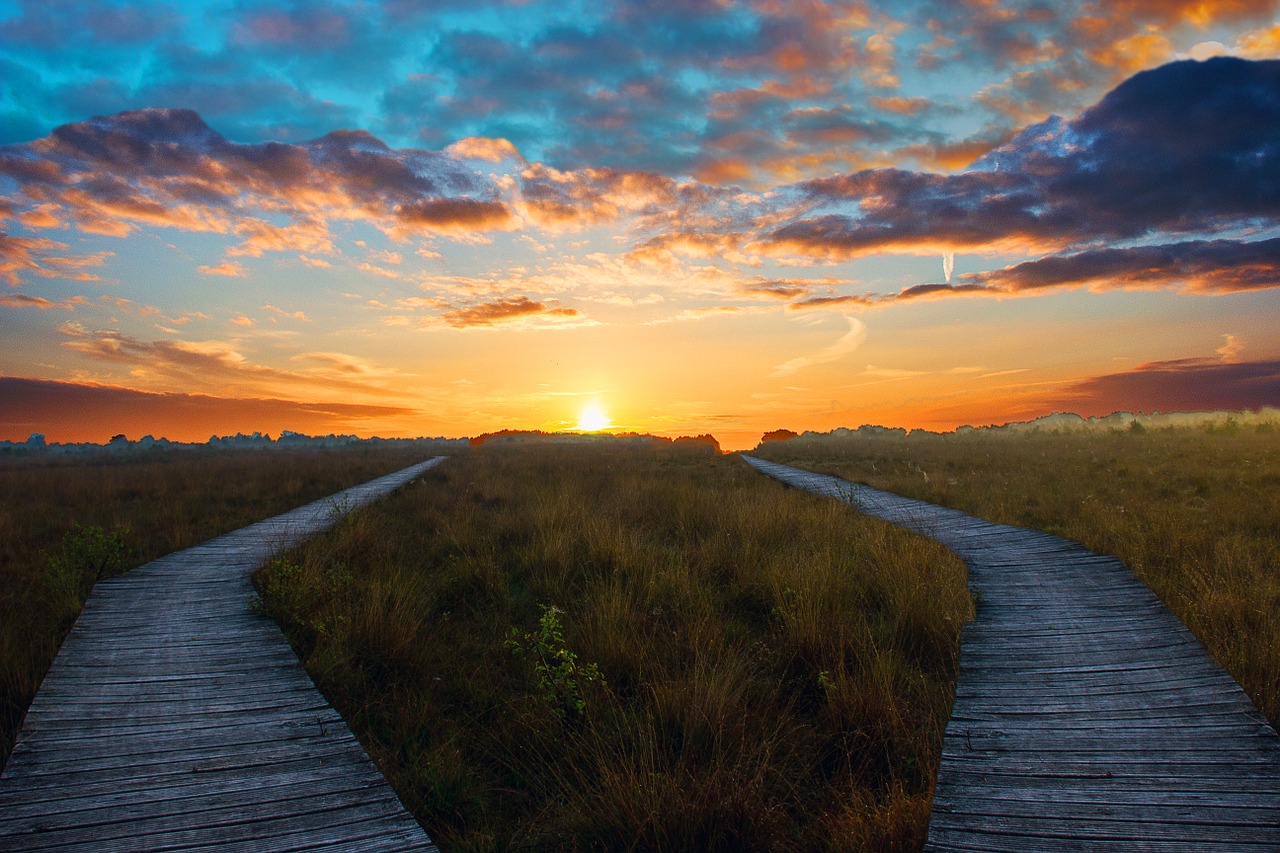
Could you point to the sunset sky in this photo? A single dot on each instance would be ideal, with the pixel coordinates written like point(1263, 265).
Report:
point(674, 216)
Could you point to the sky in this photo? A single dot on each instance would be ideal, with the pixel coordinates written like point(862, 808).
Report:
point(671, 216)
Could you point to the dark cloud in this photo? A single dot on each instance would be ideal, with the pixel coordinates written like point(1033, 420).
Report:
point(999, 35)
point(298, 27)
point(455, 214)
point(1182, 385)
point(62, 411)
point(1184, 148)
point(825, 302)
point(1207, 266)
point(59, 24)
point(927, 291)
point(502, 311)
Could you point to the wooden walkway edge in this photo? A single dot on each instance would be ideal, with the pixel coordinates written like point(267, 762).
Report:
point(175, 718)
point(1087, 717)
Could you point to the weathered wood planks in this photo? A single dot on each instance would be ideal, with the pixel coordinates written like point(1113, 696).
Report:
point(1086, 716)
point(174, 718)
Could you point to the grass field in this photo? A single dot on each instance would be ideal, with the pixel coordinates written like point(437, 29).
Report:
point(1193, 511)
point(598, 648)
point(66, 520)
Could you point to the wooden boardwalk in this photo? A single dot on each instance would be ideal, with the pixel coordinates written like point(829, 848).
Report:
point(1087, 717)
point(175, 718)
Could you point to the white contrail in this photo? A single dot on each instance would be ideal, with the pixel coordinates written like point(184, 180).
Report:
point(948, 264)
point(847, 343)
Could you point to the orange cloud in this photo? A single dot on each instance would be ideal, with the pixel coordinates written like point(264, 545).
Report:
point(1261, 44)
point(34, 256)
point(555, 199)
point(226, 268)
point(901, 105)
point(502, 311)
point(483, 148)
point(22, 300)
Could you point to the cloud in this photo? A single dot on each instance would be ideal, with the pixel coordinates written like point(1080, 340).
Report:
point(503, 311)
point(1159, 168)
point(781, 288)
point(482, 148)
point(68, 411)
point(20, 256)
point(847, 343)
point(1202, 266)
point(288, 315)
point(212, 364)
point(226, 268)
point(1230, 349)
point(1185, 148)
point(836, 301)
point(22, 300)
point(556, 199)
point(455, 215)
point(168, 168)
point(1180, 385)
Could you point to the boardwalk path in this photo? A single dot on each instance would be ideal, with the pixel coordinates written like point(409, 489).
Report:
point(174, 718)
point(1086, 715)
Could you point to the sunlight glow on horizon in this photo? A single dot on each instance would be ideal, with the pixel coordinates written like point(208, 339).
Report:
point(592, 419)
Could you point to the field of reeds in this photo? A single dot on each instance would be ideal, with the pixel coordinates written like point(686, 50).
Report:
point(1192, 510)
point(633, 648)
point(67, 520)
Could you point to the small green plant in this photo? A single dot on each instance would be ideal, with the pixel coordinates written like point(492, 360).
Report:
point(339, 506)
point(96, 552)
point(826, 682)
point(87, 555)
point(560, 675)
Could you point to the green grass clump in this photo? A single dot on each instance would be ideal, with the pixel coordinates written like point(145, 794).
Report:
point(71, 520)
point(1191, 510)
point(603, 648)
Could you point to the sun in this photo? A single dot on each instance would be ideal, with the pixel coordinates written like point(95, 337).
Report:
point(592, 419)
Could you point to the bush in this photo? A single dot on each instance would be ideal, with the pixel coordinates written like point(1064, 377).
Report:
point(88, 554)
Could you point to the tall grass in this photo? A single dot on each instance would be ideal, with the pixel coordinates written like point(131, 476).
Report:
point(596, 648)
point(1193, 511)
point(66, 521)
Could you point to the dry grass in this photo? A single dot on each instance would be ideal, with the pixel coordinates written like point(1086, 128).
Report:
point(1193, 511)
point(66, 519)
point(632, 650)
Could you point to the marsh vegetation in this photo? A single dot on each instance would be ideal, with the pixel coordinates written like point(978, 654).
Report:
point(610, 648)
point(1192, 510)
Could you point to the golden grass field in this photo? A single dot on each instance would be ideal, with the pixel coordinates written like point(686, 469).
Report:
point(596, 648)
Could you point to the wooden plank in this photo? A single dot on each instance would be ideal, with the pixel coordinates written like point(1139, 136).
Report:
point(175, 719)
point(1086, 715)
